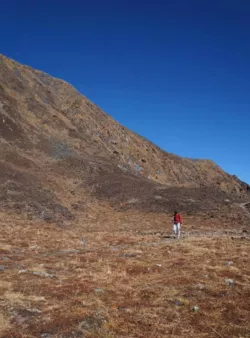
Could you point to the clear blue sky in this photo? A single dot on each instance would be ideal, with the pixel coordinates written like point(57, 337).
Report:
point(176, 72)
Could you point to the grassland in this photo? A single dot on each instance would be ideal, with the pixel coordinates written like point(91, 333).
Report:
point(124, 282)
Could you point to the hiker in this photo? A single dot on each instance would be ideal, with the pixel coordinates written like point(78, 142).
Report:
point(177, 224)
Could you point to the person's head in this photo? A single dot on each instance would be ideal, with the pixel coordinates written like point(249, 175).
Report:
point(176, 212)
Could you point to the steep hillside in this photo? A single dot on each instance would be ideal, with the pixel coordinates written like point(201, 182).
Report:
point(59, 152)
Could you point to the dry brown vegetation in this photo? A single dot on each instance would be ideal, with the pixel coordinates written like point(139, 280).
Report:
point(136, 282)
point(69, 170)
point(50, 133)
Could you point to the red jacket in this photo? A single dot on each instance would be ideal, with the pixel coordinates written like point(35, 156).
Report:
point(177, 219)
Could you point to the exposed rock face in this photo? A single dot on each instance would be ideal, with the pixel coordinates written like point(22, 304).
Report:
point(56, 146)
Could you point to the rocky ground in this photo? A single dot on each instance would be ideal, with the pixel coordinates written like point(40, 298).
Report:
point(58, 148)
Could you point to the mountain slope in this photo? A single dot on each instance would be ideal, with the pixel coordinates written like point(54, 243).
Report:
point(59, 152)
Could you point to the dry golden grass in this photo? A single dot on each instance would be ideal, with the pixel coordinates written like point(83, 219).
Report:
point(122, 284)
point(4, 285)
point(128, 280)
point(4, 323)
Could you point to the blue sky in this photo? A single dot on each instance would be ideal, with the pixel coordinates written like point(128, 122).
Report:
point(176, 72)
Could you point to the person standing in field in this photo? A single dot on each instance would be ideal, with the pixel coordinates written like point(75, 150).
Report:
point(177, 224)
